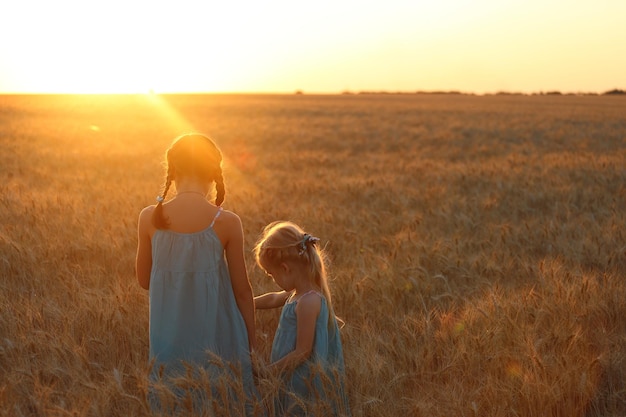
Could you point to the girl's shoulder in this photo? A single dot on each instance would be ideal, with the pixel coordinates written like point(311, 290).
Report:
point(145, 218)
point(313, 293)
point(228, 219)
point(310, 299)
point(147, 210)
point(227, 214)
point(308, 307)
point(293, 298)
point(228, 227)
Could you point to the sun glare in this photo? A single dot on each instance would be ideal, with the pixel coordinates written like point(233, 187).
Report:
point(117, 47)
point(169, 114)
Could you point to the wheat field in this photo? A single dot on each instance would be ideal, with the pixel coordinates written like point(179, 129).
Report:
point(477, 243)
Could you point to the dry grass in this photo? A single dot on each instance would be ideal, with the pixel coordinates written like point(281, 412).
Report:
point(478, 244)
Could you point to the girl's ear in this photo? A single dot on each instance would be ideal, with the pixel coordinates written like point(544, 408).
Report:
point(284, 266)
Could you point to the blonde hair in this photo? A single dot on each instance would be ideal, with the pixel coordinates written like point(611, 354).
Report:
point(191, 155)
point(284, 241)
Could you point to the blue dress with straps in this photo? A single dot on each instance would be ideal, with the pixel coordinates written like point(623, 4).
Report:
point(196, 328)
point(317, 386)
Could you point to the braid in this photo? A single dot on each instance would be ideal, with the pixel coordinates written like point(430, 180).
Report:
point(219, 187)
point(158, 220)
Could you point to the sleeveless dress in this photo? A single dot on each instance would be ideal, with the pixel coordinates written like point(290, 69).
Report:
point(195, 324)
point(317, 386)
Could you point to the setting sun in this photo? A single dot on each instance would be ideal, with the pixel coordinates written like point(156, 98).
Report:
point(474, 46)
point(79, 47)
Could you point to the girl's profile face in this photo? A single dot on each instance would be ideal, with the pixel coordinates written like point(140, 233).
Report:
point(281, 276)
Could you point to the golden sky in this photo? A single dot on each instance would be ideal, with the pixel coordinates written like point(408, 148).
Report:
point(322, 46)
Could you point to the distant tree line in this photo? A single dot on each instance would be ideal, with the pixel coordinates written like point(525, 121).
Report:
point(499, 93)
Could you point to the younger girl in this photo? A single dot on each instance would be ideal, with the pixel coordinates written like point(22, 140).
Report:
point(190, 257)
point(307, 350)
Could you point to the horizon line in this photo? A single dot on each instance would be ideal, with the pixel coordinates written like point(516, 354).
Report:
point(616, 91)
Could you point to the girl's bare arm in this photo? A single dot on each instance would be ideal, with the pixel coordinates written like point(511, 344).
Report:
point(143, 261)
point(271, 300)
point(239, 275)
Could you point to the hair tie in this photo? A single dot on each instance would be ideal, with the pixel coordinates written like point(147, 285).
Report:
point(306, 239)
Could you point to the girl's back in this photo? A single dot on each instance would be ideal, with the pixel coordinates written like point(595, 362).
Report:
point(189, 213)
point(192, 305)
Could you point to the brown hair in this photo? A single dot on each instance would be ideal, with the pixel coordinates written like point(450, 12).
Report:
point(191, 155)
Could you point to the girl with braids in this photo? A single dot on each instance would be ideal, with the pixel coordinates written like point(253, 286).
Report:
point(307, 351)
point(190, 257)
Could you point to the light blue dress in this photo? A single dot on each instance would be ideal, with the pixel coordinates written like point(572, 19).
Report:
point(194, 320)
point(317, 386)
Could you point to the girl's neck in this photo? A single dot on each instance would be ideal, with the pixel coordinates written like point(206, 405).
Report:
point(191, 188)
point(190, 192)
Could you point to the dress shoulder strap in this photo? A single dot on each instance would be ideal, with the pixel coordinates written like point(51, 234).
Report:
point(309, 292)
point(219, 211)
